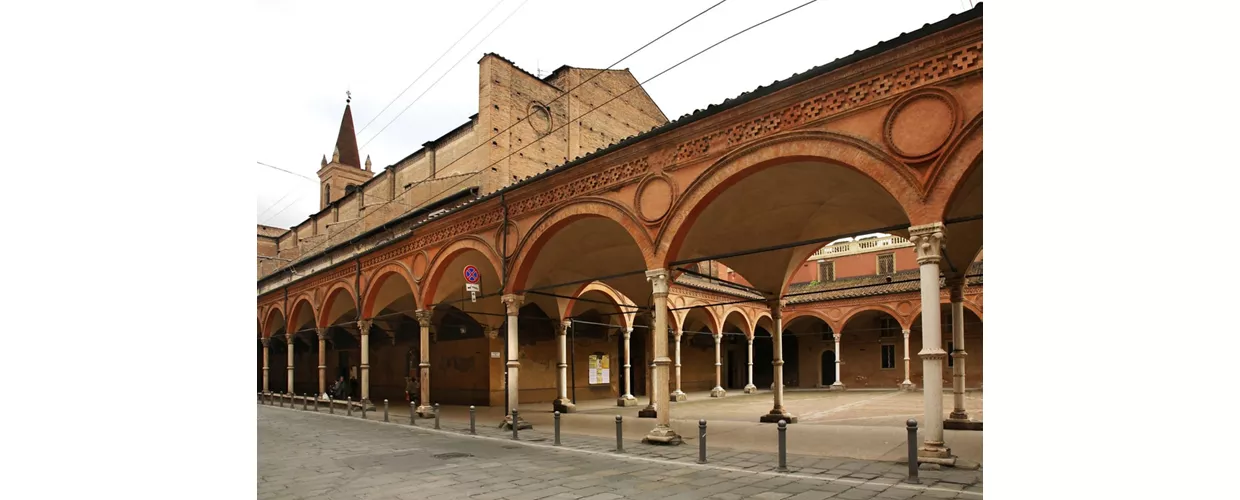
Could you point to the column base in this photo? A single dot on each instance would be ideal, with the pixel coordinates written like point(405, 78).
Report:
point(776, 415)
point(647, 412)
point(662, 434)
point(521, 423)
point(425, 411)
point(718, 392)
point(679, 396)
point(751, 389)
point(837, 386)
point(961, 424)
point(908, 386)
point(563, 406)
point(626, 400)
point(935, 453)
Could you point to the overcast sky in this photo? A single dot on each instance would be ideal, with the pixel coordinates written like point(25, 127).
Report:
point(313, 51)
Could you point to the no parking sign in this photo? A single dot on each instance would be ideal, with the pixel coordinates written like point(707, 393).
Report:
point(472, 279)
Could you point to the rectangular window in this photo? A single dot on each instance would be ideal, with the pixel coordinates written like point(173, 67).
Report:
point(826, 271)
point(889, 357)
point(887, 328)
point(887, 263)
point(949, 354)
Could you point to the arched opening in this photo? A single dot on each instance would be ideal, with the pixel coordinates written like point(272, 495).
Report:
point(872, 350)
point(394, 336)
point(462, 323)
point(539, 354)
point(460, 352)
point(304, 344)
point(598, 318)
point(827, 369)
point(277, 373)
point(697, 352)
point(805, 337)
point(764, 354)
point(964, 240)
point(972, 346)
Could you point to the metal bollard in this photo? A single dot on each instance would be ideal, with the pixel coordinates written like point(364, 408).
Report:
point(557, 429)
point(316, 403)
point(413, 414)
point(436, 407)
point(305, 402)
point(783, 446)
point(702, 441)
point(331, 405)
point(912, 452)
point(385, 410)
point(619, 434)
point(281, 400)
point(471, 419)
point(348, 405)
point(363, 409)
point(514, 424)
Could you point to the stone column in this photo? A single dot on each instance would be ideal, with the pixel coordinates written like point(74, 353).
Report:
point(266, 363)
point(288, 340)
point(956, 288)
point(662, 432)
point(363, 327)
point(512, 304)
point(678, 395)
point(424, 409)
point(749, 387)
point(322, 359)
point(839, 384)
point(778, 412)
point(928, 240)
point(907, 385)
point(563, 404)
point(718, 391)
point(627, 399)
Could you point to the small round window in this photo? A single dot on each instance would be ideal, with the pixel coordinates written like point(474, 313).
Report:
point(540, 119)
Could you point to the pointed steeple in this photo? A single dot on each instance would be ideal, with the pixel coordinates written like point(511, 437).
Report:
point(346, 141)
point(367, 163)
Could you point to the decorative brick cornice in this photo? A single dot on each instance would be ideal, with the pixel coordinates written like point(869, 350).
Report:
point(605, 179)
point(924, 72)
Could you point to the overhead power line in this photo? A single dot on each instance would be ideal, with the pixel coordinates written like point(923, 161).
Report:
point(571, 120)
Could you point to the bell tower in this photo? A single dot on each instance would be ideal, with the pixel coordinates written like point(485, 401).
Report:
point(345, 172)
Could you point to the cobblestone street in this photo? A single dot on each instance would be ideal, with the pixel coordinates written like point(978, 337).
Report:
point(309, 455)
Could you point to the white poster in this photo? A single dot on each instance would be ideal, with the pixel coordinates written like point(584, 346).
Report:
point(600, 370)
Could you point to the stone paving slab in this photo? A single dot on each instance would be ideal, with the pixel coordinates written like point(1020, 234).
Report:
point(305, 455)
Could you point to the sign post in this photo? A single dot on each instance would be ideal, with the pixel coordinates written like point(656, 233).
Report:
point(472, 279)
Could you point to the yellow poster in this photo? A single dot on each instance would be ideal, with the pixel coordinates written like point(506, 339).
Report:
point(600, 369)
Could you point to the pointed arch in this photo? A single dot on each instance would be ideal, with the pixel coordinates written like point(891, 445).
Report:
point(334, 292)
point(628, 310)
point(905, 322)
point(746, 323)
point(375, 281)
point(554, 220)
point(808, 145)
point(438, 265)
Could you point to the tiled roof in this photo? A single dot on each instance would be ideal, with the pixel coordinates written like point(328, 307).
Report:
point(690, 280)
point(866, 286)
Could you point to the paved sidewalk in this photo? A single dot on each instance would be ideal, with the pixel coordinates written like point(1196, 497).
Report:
point(647, 470)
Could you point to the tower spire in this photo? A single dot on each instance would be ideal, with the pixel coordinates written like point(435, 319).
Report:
point(346, 140)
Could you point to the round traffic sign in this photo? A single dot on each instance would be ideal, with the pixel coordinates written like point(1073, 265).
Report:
point(471, 274)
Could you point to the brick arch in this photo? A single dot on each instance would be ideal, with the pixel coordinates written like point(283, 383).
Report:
point(333, 292)
point(827, 147)
point(790, 315)
point(747, 325)
point(267, 322)
point(302, 298)
point(712, 314)
point(554, 220)
point(627, 314)
point(905, 323)
point(962, 157)
point(376, 279)
point(437, 266)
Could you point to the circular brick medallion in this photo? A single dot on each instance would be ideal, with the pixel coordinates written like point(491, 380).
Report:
point(920, 124)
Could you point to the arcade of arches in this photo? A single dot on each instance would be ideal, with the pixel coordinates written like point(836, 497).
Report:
point(590, 286)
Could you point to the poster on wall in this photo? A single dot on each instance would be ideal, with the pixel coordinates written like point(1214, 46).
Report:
point(600, 369)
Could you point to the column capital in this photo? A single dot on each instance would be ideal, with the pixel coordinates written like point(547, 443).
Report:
point(491, 332)
point(718, 337)
point(266, 342)
point(628, 332)
point(928, 240)
point(837, 337)
point(364, 325)
point(424, 317)
point(906, 333)
point(322, 333)
point(677, 334)
point(512, 303)
point(955, 288)
point(659, 280)
point(561, 328)
point(776, 306)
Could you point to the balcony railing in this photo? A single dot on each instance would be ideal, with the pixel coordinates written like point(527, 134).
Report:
point(841, 249)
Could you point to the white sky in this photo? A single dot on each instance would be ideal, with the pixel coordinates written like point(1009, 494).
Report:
point(312, 51)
